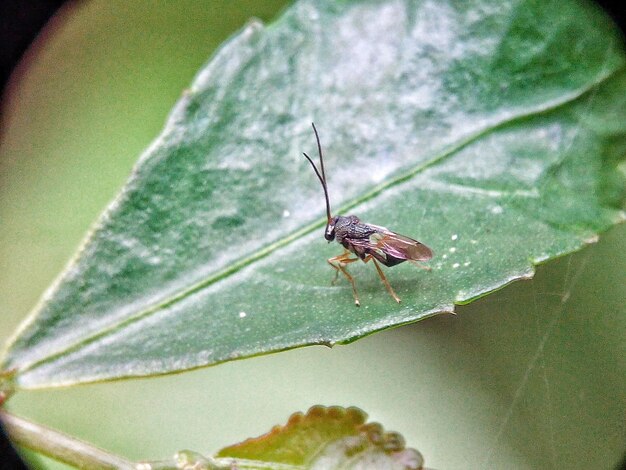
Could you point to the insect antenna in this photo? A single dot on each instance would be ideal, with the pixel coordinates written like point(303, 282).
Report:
point(319, 152)
point(321, 176)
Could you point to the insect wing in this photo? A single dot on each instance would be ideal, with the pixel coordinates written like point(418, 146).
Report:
point(368, 246)
point(388, 247)
point(400, 246)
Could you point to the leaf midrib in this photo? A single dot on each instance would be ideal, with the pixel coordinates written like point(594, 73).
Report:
point(372, 193)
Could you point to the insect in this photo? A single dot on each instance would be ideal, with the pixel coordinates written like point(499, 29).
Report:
point(366, 241)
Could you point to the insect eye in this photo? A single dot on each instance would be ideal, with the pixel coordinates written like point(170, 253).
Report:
point(330, 233)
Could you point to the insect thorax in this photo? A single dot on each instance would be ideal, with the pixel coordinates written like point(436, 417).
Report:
point(351, 227)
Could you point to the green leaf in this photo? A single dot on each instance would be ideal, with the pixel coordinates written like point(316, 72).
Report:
point(327, 438)
point(492, 133)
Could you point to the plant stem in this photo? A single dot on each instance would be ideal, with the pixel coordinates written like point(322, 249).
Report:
point(60, 446)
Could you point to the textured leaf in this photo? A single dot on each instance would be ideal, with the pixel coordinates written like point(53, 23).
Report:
point(328, 438)
point(490, 132)
point(325, 438)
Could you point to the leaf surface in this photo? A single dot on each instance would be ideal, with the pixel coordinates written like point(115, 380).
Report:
point(328, 438)
point(325, 438)
point(493, 133)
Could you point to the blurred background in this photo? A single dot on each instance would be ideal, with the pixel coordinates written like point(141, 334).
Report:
point(530, 377)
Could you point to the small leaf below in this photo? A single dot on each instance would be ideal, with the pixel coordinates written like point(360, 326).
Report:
point(327, 438)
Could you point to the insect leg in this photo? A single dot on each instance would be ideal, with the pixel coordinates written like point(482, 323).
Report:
point(336, 276)
point(338, 264)
point(383, 278)
point(421, 266)
point(344, 259)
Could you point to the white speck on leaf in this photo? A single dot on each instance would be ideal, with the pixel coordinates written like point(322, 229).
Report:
point(456, 265)
point(452, 250)
point(454, 237)
point(242, 314)
point(286, 213)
